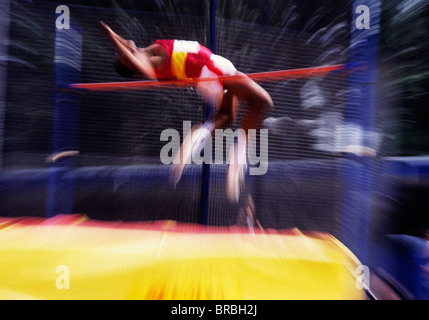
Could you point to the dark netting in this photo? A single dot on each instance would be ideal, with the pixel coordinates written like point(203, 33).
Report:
point(123, 128)
point(303, 186)
point(30, 83)
point(118, 173)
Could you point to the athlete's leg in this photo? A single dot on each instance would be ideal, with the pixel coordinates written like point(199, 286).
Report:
point(197, 138)
point(257, 99)
point(227, 112)
point(222, 100)
point(258, 102)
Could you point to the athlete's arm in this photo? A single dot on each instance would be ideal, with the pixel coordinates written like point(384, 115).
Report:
point(156, 54)
point(129, 54)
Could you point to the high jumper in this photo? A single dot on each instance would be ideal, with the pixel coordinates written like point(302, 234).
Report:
point(182, 60)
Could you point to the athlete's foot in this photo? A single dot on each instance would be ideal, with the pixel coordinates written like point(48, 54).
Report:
point(236, 170)
point(190, 149)
point(199, 140)
point(182, 158)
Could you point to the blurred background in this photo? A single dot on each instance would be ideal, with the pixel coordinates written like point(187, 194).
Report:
point(318, 179)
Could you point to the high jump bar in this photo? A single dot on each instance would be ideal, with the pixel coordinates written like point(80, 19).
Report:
point(310, 72)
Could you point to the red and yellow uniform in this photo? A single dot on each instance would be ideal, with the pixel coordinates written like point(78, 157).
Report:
point(189, 59)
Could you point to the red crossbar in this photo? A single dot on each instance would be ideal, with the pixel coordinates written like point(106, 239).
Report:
point(259, 76)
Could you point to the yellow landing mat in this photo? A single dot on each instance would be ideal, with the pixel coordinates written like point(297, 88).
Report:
point(71, 257)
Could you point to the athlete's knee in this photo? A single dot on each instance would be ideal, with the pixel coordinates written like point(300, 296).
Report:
point(265, 101)
point(269, 104)
point(229, 105)
point(224, 115)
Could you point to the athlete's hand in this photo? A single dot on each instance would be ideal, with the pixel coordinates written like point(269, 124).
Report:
point(106, 31)
point(116, 39)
